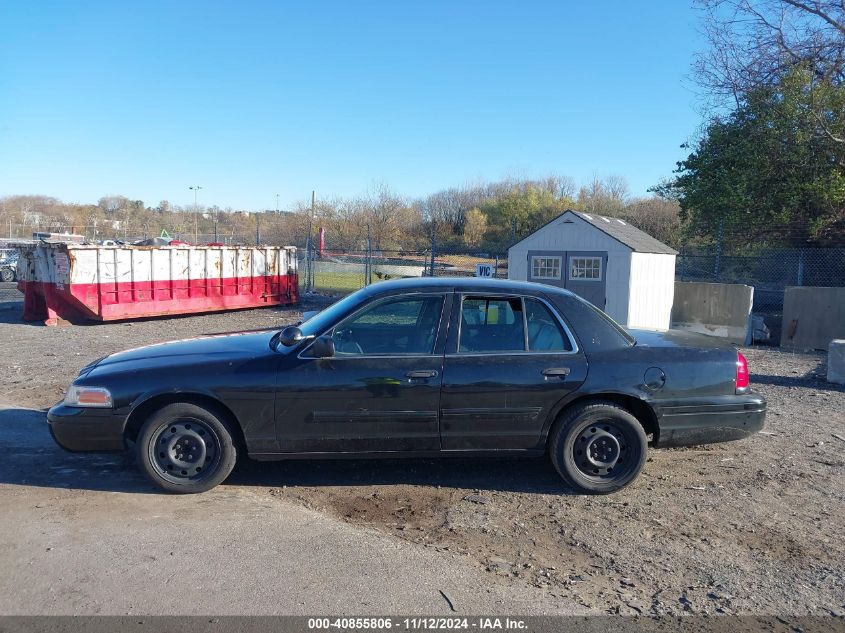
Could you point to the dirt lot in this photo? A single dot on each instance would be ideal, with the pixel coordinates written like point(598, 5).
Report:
point(747, 527)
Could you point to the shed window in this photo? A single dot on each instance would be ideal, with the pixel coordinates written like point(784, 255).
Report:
point(545, 267)
point(585, 268)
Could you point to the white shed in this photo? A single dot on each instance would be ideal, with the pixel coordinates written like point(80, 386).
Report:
point(614, 265)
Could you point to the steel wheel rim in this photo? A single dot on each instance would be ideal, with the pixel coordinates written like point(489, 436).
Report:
point(604, 451)
point(184, 450)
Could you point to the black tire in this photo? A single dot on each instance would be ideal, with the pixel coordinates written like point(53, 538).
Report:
point(598, 447)
point(186, 448)
point(7, 274)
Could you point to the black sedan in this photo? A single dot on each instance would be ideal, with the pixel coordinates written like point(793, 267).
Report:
point(423, 367)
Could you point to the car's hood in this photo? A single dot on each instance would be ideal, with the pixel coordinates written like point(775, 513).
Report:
point(677, 338)
point(239, 344)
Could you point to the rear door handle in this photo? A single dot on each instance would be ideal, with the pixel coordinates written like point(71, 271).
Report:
point(422, 373)
point(560, 372)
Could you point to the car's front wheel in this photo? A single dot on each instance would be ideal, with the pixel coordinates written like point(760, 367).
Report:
point(7, 274)
point(598, 447)
point(186, 448)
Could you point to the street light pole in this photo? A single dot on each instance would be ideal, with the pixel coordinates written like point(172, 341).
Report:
point(195, 189)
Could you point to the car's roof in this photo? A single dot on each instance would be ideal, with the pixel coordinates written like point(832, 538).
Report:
point(474, 284)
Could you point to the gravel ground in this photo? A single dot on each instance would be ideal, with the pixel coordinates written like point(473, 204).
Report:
point(749, 527)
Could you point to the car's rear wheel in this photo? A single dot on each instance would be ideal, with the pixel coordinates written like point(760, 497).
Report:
point(7, 274)
point(186, 448)
point(598, 447)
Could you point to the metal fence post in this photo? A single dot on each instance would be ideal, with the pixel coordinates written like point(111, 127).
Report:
point(309, 281)
point(496, 269)
point(718, 266)
point(433, 246)
point(800, 267)
point(368, 266)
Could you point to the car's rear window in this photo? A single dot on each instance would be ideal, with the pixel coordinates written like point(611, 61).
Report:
point(595, 330)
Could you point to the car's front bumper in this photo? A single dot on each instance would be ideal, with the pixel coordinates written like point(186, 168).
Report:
point(85, 429)
point(732, 418)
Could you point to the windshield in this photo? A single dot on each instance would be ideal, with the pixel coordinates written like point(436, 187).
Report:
point(323, 320)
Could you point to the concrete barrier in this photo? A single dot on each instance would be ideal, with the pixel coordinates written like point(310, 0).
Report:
point(812, 317)
point(836, 362)
point(715, 309)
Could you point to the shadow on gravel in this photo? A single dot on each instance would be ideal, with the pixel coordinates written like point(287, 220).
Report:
point(492, 474)
point(30, 457)
point(11, 311)
point(813, 379)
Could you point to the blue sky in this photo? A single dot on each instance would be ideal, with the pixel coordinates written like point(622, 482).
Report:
point(257, 98)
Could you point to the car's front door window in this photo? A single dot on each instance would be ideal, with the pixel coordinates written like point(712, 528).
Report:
point(401, 326)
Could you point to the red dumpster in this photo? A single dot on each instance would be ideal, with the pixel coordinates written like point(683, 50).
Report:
point(78, 282)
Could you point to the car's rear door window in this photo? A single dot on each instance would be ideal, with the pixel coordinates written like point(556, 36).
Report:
point(545, 333)
point(492, 324)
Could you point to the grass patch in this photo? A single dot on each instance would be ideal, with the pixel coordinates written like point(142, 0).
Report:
point(338, 283)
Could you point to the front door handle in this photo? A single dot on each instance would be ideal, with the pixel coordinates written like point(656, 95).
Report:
point(559, 372)
point(422, 373)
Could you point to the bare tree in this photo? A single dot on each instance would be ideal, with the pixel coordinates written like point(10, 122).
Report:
point(111, 204)
point(756, 42)
point(656, 216)
point(606, 196)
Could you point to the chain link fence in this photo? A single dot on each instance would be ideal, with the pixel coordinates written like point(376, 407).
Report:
point(770, 271)
point(333, 272)
point(337, 272)
point(131, 234)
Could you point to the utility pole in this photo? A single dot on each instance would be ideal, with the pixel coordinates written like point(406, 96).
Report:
point(195, 189)
point(257, 228)
point(277, 204)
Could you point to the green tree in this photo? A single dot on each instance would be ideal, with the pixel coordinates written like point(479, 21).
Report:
point(766, 168)
point(520, 211)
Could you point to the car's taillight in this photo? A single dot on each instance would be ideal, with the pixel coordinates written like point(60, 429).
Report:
point(741, 372)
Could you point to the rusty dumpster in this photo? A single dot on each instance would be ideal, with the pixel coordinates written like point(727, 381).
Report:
point(80, 282)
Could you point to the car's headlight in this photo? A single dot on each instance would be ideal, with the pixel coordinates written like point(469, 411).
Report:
point(82, 396)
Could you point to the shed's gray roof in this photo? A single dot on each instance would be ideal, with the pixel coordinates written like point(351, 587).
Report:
point(622, 231)
point(639, 241)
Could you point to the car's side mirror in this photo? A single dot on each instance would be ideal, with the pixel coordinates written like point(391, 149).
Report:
point(322, 347)
point(291, 335)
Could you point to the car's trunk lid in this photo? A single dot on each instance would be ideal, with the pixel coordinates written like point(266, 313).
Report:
point(678, 338)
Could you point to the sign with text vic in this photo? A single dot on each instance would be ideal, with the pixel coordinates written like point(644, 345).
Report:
point(483, 270)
